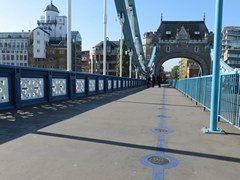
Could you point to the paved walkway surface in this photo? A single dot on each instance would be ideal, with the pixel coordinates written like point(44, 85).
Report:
point(112, 137)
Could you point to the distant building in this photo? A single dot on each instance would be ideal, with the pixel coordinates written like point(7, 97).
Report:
point(85, 67)
point(96, 55)
point(14, 48)
point(188, 68)
point(48, 42)
point(147, 39)
point(231, 46)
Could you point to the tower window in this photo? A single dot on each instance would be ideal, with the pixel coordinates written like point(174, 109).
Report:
point(168, 49)
point(196, 49)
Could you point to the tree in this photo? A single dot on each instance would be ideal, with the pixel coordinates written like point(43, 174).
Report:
point(125, 61)
point(174, 72)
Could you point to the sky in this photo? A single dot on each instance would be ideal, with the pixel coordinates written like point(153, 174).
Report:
point(87, 16)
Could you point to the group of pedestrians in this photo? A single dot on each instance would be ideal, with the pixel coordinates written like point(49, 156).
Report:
point(151, 81)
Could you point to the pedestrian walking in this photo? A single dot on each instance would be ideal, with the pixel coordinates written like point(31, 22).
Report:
point(153, 80)
point(159, 80)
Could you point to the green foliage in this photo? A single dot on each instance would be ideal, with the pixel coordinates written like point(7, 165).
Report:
point(125, 65)
point(174, 72)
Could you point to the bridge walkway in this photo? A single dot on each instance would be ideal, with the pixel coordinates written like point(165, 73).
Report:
point(112, 137)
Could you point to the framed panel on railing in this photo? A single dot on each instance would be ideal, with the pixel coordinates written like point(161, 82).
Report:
point(114, 84)
point(33, 87)
point(60, 86)
point(123, 83)
point(101, 88)
point(109, 84)
point(6, 95)
point(119, 83)
point(92, 85)
point(81, 89)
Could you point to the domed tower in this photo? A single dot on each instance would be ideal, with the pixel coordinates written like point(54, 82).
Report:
point(54, 24)
point(51, 12)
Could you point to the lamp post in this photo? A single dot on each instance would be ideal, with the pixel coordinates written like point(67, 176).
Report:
point(121, 20)
point(136, 72)
point(130, 63)
point(216, 68)
point(104, 36)
point(69, 37)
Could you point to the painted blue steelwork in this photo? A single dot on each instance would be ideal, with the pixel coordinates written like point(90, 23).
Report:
point(224, 67)
point(216, 66)
point(19, 85)
point(153, 54)
point(229, 94)
point(126, 9)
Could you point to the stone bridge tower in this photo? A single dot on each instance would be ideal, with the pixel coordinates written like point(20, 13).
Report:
point(181, 39)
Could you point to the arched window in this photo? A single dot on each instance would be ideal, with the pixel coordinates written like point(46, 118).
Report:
point(196, 49)
point(168, 49)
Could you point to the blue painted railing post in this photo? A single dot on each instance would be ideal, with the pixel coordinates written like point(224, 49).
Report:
point(17, 88)
point(72, 86)
point(216, 66)
point(49, 87)
point(238, 103)
point(204, 93)
point(236, 92)
point(219, 98)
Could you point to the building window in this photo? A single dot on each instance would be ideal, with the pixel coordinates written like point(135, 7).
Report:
point(60, 27)
point(108, 49)
point(61, 59)
point(51, 59)
point(38, 33)
point(51, 51)
point(61, 52)
point(38, 42)
point(197, 33)
point(38, 50)
point(168, 32)
point(196, 49)
point(168, 49)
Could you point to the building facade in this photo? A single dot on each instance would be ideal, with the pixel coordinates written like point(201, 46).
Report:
point(188, 68)
point(231, 46)
point(96, 56)
point(14, 48)
point(48, 42)
point(147, 39)
point(86, 62)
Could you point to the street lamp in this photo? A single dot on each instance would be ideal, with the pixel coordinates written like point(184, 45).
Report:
point(121, 20)
point(105, 36)
point(69, 37)
point(130, 62)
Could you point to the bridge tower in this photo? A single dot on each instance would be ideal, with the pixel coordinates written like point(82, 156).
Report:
point(181, 39)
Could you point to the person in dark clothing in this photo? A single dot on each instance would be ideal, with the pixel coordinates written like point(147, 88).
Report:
point(148, 81)
point(159, 80)
point(153, 80)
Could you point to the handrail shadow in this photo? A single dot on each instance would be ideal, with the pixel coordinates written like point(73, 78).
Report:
point(144, 147)
point(17, 123)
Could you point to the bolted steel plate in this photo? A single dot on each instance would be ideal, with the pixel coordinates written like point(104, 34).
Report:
point(161, 130)
point(158, 160)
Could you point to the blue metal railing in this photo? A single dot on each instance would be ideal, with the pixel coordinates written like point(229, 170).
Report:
point(22, 86)
point(199, 90)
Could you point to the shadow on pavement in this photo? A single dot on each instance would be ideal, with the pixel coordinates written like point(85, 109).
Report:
point(16, 123)
point(137, 146)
